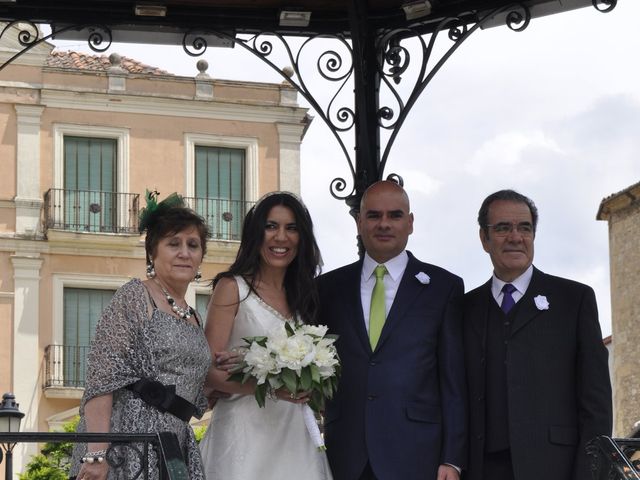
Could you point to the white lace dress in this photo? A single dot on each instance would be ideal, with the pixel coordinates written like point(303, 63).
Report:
point(244, 441)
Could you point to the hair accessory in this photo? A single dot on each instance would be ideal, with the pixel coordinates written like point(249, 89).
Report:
point(94, 457)
point(151, 271)
point(153, 209)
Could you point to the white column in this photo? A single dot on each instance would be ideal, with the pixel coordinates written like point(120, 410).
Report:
point(290, 137)
point(27, 357)
point(28, 192)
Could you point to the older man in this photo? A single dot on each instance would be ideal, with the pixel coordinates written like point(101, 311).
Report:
point(537, 368)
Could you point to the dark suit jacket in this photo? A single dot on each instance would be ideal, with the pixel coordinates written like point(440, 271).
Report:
point(558, 388)
point(401, 407)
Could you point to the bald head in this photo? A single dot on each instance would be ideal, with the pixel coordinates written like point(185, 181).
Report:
point(385, 221)
point(382, 187)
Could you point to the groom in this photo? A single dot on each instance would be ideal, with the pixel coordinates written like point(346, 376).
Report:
point(400, 409)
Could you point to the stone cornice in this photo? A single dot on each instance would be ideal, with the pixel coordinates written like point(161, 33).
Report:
point(628, 197)
point(103, 245)
point(172, 107)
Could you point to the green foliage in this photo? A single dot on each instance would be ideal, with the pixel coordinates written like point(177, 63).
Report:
point(199, 432)
point(54, 461)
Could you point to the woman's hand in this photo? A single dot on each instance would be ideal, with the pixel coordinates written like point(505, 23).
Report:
point(227, 361)
point(214, 395)
point(94, 471)
point(286, 395)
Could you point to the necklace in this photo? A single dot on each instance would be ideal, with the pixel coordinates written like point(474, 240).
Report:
point(184, 313)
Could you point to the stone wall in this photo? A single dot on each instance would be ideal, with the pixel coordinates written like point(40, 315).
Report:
point(622, 211)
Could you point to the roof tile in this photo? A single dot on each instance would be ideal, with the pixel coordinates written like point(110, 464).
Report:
point(95, 63)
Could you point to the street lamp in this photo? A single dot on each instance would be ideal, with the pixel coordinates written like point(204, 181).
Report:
point(10, 418)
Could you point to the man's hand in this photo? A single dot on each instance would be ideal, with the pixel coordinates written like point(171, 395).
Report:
point(447, 472)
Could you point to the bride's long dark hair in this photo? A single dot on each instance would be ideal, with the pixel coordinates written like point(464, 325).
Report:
point(299, 280)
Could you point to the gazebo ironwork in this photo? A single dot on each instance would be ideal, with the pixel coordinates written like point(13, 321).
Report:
point(368, 48)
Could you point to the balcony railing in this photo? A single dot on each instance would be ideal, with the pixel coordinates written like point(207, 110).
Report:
point(65, 366)
point(122, 446)
point(223, 216)
point(91, 211)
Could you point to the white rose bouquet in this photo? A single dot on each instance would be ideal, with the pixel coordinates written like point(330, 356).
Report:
point(298, 357)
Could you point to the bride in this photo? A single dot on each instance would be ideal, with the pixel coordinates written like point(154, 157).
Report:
point(270, 282)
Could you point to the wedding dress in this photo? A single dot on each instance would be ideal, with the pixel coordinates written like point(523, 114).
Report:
point(244, 441)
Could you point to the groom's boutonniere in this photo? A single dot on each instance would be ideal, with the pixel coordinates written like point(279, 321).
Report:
point(541, 302)
point(423, 278)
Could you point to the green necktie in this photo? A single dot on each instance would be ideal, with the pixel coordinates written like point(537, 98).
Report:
point(378, 310)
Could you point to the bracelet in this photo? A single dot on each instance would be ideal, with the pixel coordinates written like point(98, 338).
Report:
point(94, 457)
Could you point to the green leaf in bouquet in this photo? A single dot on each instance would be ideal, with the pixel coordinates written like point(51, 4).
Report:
point(332, 336)
point(305, 379)
point(261, 394)
point(289, 328)
point(316, 401)
point(236, 377)
point(290, 379)
point(315, 373)
point(260, 340)
point(327, 388)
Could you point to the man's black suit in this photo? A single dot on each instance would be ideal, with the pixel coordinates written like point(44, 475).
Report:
point(556, 378)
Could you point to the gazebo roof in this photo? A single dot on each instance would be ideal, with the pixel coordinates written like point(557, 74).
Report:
point(252, 16)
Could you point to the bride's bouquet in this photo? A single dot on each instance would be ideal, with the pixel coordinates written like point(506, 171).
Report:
point(301, 358)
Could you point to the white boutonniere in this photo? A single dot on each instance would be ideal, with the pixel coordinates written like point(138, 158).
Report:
point(541, 302)
point(423, 278)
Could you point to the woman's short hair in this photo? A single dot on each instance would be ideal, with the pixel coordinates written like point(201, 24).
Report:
point(169, 217)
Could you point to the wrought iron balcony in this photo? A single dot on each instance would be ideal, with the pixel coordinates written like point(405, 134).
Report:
point(91, 211)
point(65, 366)
point(223, 216)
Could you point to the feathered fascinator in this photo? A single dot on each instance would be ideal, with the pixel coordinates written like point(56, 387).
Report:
point(155, 209)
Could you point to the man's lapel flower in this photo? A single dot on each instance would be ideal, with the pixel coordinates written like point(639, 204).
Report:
point(541, 302)
point(423, 278)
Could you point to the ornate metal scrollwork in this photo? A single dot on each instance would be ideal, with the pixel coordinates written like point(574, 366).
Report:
point(395, 58)
point(334, 65)
point(194, 45)
point(119, 455)
point(604, 6)
point(99, 37)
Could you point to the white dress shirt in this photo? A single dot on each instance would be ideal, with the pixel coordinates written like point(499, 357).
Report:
point(521, 284)
point(395, 269)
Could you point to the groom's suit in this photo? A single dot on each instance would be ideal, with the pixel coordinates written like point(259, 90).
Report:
point(401, 407)
point(550, 385)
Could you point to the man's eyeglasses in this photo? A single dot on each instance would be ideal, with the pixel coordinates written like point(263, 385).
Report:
point(503, 229)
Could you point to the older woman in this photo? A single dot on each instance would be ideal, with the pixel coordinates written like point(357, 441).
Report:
point(149, 341)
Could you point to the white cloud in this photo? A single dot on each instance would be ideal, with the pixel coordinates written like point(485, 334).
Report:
point(507, 149)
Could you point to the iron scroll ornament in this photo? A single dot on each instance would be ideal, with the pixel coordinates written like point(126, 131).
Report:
point(335, 67)
point(99, 37)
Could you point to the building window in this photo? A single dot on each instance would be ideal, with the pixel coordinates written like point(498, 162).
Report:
point(91, 181)
point(221, 180)
point(219, 189)
point(202, 300)
point(82, 310)
point(90, 174)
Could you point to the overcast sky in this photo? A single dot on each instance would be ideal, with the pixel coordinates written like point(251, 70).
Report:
point(553, 112)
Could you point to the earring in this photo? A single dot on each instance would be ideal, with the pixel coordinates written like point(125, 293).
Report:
point(198, 275)
point(151, 272)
